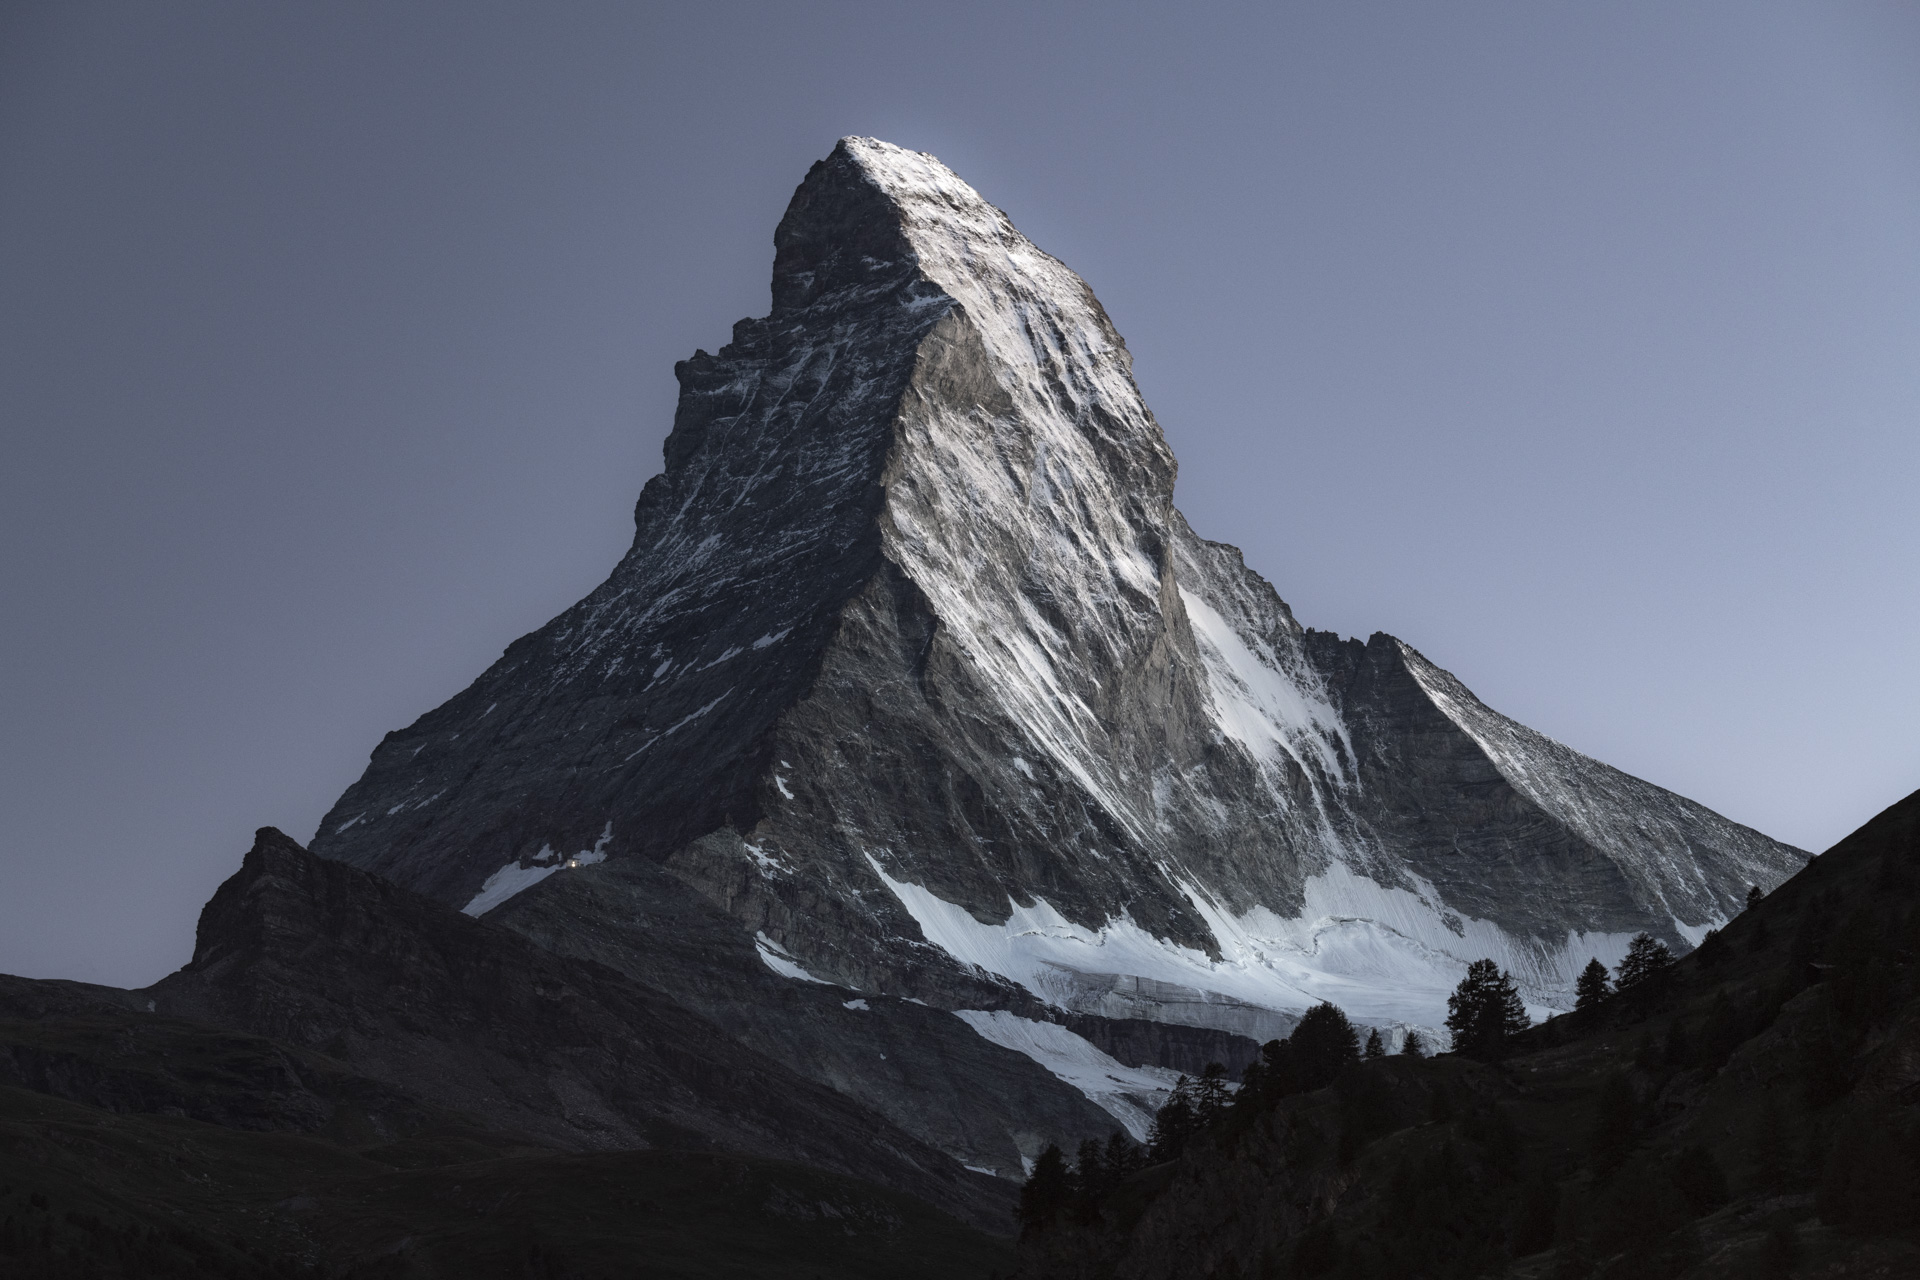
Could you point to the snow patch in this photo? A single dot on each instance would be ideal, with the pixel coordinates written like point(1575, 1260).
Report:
point(587, 857)
point(778, 960)
point(1388, 956)
point(515, 878)
point(1129, 1094)
point(686, 720)
point(503, 884)
point(861, 1005)
point(1257, 704)
point(767, 862)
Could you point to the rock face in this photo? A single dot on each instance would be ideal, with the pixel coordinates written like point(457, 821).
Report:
point(915, 679)
point(476, 1020)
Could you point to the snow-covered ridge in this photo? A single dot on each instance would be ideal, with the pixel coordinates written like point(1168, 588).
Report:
point(1646, 828)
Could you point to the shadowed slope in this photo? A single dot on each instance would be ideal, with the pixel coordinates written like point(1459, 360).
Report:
point(477, 1019)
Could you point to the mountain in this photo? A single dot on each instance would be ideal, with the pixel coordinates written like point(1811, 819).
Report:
point(1748, 1112)
point(915, 693)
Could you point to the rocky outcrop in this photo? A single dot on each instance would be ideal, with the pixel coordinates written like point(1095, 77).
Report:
point(475, 1019)
point(922, 1069)
point(915, 676)
point(1140, 1043)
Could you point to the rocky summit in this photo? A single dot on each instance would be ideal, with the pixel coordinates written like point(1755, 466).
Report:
point(919, 743)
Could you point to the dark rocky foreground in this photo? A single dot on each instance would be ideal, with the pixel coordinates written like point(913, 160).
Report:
point(478, 1020)
point(349, 1076)
point(87, 1192)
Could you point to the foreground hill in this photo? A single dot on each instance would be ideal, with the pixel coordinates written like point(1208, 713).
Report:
point(351, 1080)
point(1755, 1112)
point(87, 1192)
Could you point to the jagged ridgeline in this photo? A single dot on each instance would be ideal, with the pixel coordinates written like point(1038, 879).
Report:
point(915, 685)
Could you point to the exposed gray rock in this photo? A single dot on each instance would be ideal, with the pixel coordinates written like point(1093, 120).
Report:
point(921, 1068)
point(916, 675)
point(475, 1019)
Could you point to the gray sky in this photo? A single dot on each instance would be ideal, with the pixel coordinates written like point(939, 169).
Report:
point(1577, 345)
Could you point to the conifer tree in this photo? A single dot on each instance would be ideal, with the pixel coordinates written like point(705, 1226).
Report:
point(1124, 1157)
point(1375, 1048)
point(1279, 1070)
point(1047, 1190)
point(1209, 1095)
point(1484, 1011)
point(1593, 986)
point(1323, 1043)
point(1173, 1124)
point(1753, 896)
point(1090, 1170)
point(1413, 1046)
point(1647, 957)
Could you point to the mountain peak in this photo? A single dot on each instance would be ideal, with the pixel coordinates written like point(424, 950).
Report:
point(915, 672)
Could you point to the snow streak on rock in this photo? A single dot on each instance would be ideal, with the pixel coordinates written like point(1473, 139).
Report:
point(1129, 1094)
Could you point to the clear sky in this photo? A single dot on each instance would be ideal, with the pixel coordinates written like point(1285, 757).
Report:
point(1577, 345)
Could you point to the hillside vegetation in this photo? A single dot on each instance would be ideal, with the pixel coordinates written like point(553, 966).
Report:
point(1749, 1110)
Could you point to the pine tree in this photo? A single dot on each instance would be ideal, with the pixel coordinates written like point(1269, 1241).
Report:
point(1647, 957)
point(1593, 986)
point(1124, 1158)
point(1753, 896)
point(1484, 1011)
point(1323, 1043)
point(1209, 1095)
point(1279, 1070)
point(1413, 1046)
point(1090, 1171)
point(1173, 1124)
point(1047, 1190)
point(1375, 1049)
